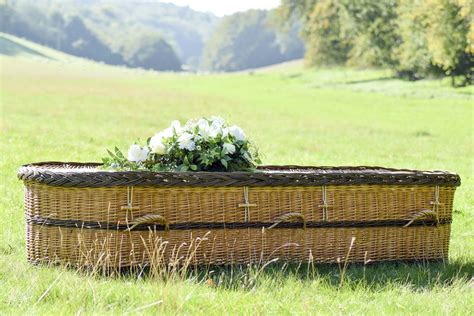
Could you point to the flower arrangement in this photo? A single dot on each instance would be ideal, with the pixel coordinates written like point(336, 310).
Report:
point(206, 144)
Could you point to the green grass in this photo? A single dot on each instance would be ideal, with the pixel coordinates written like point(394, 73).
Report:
point(71, 110)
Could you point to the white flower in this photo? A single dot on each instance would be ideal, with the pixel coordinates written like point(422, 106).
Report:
point(214, 130)
point(228, 148)
point(137, 153)
point(167, 132)
point(156, 144)
point(186, 141)
point(237, 132)
point(225, 132)
point(189, 126)
point(203, 126)
point(217, 121)
point(176, 126)
point(209, 131)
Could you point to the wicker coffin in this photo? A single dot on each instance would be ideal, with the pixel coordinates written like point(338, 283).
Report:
point(79, 214)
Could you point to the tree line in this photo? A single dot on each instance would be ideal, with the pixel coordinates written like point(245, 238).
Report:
point(417, 39)
point(70, 34)
point(251, 39)
point(156, 36)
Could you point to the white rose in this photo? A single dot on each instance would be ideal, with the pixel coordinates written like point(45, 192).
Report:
point(225, 132)
point(214, 130)
point(156, 144)
point(203, 126)
point(176, 126)
point(189, 126)
point(186, 141)
point(218, 121)
point(137, 153)
point(228, 148)
point(237, 132)
point(168, 132)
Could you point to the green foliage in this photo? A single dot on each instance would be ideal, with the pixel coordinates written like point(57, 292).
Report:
point(150, 51)
point(373, 24)
point(149, 37)
point(77, 39)
point(69, 35)
point(416, 38)
point(208, 144)
point(448, 25)
point(435, 39)
point(328, 36)
point(247, 40)
point(414, 57)
point(184, 29)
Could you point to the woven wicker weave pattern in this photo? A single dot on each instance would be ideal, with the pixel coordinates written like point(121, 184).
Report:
point(116, 248)
point(195, 204)
point(70, 207)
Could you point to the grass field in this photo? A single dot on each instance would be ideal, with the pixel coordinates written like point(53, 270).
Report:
point(55, 108)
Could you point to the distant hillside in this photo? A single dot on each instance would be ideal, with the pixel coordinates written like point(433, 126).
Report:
point(109, 32)
point(119, 23)
point(250, 39)
point(154, 35)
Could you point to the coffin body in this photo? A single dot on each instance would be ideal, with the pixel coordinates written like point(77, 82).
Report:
point(82, 215)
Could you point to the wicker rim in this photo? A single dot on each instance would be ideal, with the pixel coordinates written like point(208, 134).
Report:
point(74, 174)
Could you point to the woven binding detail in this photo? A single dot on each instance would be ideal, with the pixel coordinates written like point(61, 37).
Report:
point(71, 174)
point(235, 225)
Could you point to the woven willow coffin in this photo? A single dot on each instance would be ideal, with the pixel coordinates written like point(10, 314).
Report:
point(79, 214)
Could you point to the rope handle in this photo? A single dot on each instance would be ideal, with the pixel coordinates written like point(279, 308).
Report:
point(150, 219)
point(424, 214)
point(289, 217)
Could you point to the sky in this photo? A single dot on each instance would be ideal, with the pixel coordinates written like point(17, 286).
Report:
point(225, 7)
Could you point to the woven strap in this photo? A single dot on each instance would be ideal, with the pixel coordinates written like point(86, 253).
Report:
point(228, 225)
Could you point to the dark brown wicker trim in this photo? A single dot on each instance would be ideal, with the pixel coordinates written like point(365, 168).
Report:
point(233, 225)
point(47, 173)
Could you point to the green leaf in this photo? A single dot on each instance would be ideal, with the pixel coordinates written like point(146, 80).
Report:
point(224, 163)
point(193, 167)
point(118, 153)
point(111, 154)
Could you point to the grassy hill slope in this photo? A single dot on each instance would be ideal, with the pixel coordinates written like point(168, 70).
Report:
point(72, 110)
point(14, 46)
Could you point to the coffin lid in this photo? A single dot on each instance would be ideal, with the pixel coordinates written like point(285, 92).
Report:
point(75, 174)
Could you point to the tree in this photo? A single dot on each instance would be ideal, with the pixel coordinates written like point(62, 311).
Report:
point(80, 41)
point(435, 39)
point(413, 56)
point(150, 51)
point(373, 23)
point(328, 36)
point(247, 40)
point(415, 38)
point(449, 24)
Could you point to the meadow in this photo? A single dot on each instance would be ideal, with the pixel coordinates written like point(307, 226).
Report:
point(56, 107)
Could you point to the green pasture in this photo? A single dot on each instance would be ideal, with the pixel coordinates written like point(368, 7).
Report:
point(58, 108)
